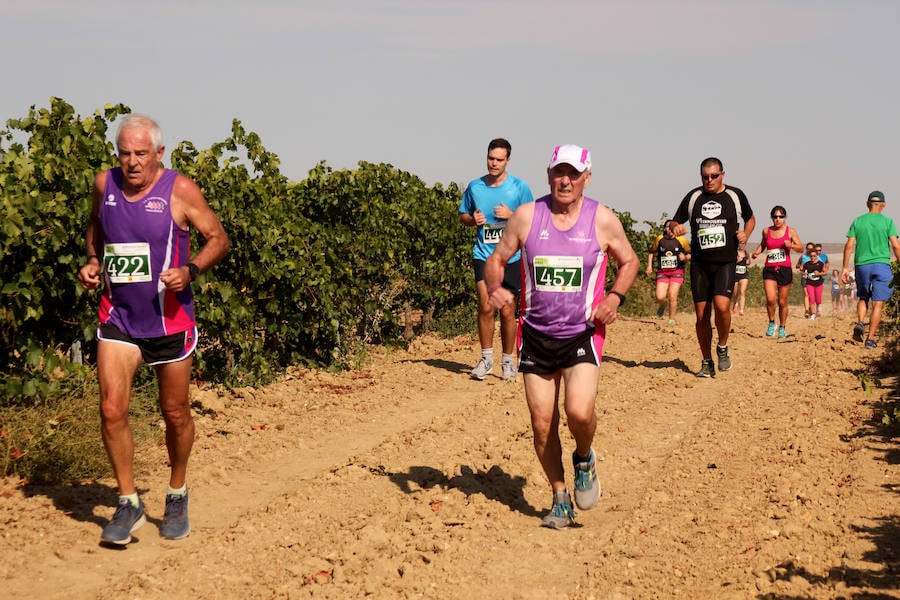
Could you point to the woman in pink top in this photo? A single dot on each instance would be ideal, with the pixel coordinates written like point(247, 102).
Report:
point(777, 242)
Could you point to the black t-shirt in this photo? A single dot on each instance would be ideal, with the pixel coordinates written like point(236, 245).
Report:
point(810, 268)
point(715, 220)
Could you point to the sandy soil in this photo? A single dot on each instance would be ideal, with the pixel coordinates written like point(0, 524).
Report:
point(409, 480)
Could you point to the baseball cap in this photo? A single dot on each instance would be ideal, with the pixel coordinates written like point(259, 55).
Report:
point(570, 154)
point(876, 196)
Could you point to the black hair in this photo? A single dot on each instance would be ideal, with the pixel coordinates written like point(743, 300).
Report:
point(500, 143)
point(712, 160)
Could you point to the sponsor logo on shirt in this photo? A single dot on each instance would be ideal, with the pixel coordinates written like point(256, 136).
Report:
point(711, 209)
point(111, 200)
point(155, 205)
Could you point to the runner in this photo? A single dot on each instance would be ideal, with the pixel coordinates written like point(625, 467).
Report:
point(741, 279)
point(837, 292)
point(486, 205)
point(138, 240)
point(671, 253)
point(715, 211)
point(777, 242)
point(816, 272)
point(799, 266)
point(565, 239)
point(872, 235)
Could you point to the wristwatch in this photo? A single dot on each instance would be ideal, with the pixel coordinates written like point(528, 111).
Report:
point(194, 270)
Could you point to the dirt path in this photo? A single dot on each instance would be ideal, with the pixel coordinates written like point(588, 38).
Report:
point(407, 479)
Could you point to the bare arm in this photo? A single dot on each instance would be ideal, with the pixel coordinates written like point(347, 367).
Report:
point(895, 244)
point(749, 226)
point(513, 239)
point(476, 219)
point(612, 234)
point(89, 274)
point(848, 250)
point(189, 207)
point(793, 241)
point(762, 244)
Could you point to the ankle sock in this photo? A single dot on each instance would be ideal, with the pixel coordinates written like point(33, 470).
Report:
point(179, 492)
point(487, 354)
point(132, 498)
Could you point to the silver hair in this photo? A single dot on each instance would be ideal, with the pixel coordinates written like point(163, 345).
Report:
point(146, 122)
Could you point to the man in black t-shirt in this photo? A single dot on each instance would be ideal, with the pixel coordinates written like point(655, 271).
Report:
point(721, 221)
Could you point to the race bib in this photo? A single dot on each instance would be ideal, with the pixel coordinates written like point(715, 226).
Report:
point(740, 269)
point(813, 277)
point(776, 255)
point(558, 273)
point(127, 263)
point(712, 237)
point(668, 262)
point(493, 232)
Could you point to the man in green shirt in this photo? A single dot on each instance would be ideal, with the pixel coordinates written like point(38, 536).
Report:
point(872, 235)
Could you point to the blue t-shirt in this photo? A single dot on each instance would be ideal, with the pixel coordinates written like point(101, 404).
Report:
point(513, 192)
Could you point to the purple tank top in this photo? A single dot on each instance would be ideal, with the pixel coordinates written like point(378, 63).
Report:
point(564, 272)
point(140, 240)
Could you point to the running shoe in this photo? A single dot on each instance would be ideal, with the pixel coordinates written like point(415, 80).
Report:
point(781, 332)
point(483, 367)
point(870, 345)
point(175, 521)
point(127, 519)
point(707, 369)
point(562, 514)
point(771, 329)
point(507, 370)
point(587, 486)
point(858, 330)
point(724, 360)
point(812, 317)
point(670, 322)
point(661, 311)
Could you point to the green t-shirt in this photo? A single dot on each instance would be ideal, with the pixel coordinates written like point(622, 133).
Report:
point(872, 232)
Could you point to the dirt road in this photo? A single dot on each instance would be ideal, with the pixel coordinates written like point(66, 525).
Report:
point(407, 479)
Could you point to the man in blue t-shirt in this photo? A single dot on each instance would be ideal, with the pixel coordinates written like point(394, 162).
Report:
point(487, 204)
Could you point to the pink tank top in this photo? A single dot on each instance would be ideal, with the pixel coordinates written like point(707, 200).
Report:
point(777, 254)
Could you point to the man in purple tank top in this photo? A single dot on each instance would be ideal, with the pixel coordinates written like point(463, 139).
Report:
point(138, 242)
point(565, 238)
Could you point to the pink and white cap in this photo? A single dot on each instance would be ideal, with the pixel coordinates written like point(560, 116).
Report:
point(570, 154)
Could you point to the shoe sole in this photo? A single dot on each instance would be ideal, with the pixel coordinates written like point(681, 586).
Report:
point(124, 542)
point(857, 335)
point(178, 537)
point(556, 526)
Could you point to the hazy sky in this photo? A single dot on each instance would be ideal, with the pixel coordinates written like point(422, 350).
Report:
point(799, 98)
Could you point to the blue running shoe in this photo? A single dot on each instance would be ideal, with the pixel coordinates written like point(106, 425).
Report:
point(128, 518)
point(175, 522)
point(587, 486)
point(771, 329)
point(562, 514)
point(781, 332)
point(858, 330)
point(870, 344)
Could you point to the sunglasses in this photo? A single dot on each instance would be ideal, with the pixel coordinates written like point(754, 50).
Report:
point(777, 216)
point(710, 177)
